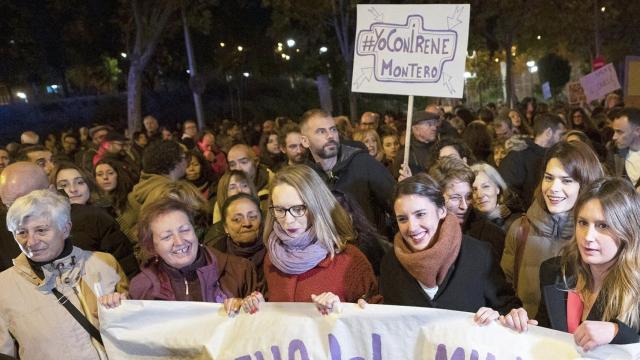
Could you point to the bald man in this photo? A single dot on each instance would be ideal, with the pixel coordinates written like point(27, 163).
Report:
point(17, 179)
point(241, 157)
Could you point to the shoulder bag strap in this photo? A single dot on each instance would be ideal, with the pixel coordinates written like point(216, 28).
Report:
point(521, 240)
point(91, 329)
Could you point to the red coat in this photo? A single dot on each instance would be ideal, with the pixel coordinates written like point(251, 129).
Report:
point(349, 275)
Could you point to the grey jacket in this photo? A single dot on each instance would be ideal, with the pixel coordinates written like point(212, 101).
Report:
point(547, 234)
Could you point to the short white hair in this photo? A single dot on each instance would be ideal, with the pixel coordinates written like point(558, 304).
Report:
point(37, 204)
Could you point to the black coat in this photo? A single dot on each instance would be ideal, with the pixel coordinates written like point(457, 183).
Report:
point(473, 281)
point(93, 229)
point(485, 230)
point(365, 179)
point(552, 311)
point(521, 170)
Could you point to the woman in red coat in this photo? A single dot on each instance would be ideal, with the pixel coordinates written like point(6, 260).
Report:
point(309, 259)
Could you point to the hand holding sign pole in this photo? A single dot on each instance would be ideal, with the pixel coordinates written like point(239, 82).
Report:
point(411, 50)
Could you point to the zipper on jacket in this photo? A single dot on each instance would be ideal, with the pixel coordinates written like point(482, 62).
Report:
point(186, 287)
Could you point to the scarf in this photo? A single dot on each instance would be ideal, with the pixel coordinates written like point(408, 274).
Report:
point(430, 266)
point(295, 255)
point(252, 252)
point(36, 266)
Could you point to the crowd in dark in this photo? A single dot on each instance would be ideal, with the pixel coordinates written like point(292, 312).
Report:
point(525, 216)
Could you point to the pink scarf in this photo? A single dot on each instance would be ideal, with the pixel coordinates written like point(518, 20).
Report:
point(295, 255)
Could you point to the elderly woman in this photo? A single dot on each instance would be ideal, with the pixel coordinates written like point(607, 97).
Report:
point(591, 289)
point(178, 267)
point(492, 198)
point(455, 179)
point(433, 264)
point(49, 282)
point(308, 237)
point(242, 221)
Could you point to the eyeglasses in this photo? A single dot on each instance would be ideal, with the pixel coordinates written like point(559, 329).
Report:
point(456, 200)
point(295, 211)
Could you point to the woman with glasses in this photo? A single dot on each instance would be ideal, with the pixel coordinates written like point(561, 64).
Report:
point(309, 257)
point(455, 179)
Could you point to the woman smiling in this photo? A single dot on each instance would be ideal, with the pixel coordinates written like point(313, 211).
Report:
point(548, 224)
point(591, 289)
point(433, 264)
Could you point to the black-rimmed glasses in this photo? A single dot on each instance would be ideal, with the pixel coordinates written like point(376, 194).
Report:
point(295, 211)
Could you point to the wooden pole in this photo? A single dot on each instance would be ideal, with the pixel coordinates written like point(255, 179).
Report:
point(407, 136)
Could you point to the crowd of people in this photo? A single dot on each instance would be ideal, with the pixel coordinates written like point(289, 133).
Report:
point(523, 216)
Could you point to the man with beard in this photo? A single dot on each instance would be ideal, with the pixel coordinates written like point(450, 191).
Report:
point(291, 144)
point(345, 168)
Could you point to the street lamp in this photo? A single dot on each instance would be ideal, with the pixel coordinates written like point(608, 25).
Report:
point(124, 55)
point(323, 50)
point(222, 44)
point(240, 48)
point(245, 74)
point(291, 43)
point(22, 96)
point(531, 63)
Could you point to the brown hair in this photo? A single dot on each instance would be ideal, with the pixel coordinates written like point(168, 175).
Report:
point(578, 160)
point(149, 212)
point(448, 168)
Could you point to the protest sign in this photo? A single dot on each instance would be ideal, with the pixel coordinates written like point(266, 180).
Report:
point(546, 91)
point(600, 82)
point(281, 331)
point(411, 49)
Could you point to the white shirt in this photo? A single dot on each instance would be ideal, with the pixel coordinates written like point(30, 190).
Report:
point(632, 166)
point(431, 292)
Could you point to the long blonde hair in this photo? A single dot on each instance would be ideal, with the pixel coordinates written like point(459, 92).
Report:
point(332, 223)
point(621, 286)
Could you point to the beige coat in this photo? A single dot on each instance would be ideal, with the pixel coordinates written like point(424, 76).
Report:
point(547, 235)
point(31, 314)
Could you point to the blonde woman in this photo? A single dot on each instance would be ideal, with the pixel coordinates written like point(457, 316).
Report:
point(371, 140)
point(592, 289)
point(308, 256)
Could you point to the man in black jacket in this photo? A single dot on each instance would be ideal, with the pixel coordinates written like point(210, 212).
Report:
point(345, 168)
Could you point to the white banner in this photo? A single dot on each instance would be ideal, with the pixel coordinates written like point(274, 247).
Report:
point(411, 49)
point(600, 82)
point(281, 331)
